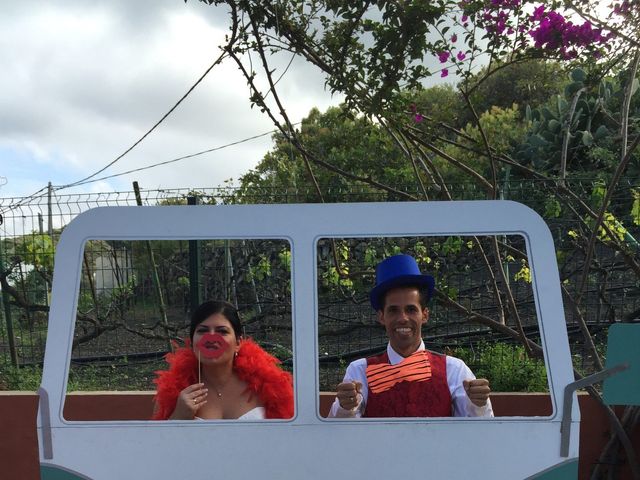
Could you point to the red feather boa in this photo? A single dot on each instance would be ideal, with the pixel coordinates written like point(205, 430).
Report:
point(254, 366)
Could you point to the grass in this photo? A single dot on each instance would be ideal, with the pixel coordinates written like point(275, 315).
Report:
point(110, 377)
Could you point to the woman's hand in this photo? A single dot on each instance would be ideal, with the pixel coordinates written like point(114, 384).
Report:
point(189, 401)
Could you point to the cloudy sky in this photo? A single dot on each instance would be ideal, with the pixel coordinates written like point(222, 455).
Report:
point(82, 81)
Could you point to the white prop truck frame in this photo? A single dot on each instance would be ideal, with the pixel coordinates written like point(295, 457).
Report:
point(309, 446)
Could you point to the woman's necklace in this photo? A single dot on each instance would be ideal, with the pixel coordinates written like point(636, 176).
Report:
point(218, 390)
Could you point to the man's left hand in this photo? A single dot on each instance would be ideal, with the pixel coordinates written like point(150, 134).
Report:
point(477, 390)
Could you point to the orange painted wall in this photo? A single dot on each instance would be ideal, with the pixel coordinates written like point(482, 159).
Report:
point(18, 410)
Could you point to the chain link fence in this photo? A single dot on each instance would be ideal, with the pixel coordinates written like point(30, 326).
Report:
point(135, 297)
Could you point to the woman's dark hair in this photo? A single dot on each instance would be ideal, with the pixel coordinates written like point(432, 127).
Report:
point(211, 307)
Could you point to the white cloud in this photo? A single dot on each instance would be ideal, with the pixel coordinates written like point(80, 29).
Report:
point(82, 81)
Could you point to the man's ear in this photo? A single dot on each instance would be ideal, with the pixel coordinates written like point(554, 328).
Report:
point(425, 315)
point(379, 315)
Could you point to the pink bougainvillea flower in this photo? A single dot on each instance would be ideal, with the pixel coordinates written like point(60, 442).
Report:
point(538, 13)
point(212, 345)
point(623, 8)
point(464, 18)
point(418, 118)
point(443, 56)
point(444, 72)
point(554, 33)
point(461, 56)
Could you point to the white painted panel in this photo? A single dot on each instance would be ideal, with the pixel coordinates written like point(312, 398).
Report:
point(307, 446)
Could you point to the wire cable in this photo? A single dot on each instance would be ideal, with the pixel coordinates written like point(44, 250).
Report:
point(218, 60)
point(24, 200)
point(38, 193)
point(166, 162)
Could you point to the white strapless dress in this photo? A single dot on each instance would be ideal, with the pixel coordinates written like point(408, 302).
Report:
point(257, 413)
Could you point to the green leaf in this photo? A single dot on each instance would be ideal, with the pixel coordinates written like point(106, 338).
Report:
point(562, 105)
point(583, 106)
point(602, 89)
point(571, 89)
point(552, 208)
point(634, 86)
point(635, 208)
point(537, 141)
point(587, 138)
point(548, 135)
point(601, 133)
point(578, 75)
point(554, 125)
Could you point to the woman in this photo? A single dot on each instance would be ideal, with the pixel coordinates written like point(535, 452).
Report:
point(221, 375)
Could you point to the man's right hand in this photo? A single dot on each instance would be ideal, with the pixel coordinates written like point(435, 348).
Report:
point(348, 394)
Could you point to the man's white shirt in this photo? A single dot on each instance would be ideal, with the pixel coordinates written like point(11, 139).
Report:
point(457, 372)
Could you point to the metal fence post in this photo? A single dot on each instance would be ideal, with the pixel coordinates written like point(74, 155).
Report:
point(13, 352)
point(156, 279)
point(49, 211)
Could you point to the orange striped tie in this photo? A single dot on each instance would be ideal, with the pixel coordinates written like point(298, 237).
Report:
point(383, 376)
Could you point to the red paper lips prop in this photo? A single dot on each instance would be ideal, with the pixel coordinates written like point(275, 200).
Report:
point(212, 345)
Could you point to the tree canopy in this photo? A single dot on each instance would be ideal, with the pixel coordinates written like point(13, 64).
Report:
point(569, 115)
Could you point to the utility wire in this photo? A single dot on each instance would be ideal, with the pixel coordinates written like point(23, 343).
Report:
point(38, 193)
point(218, 60)
point(166, 162)
point(88, 179)
point(24, 200)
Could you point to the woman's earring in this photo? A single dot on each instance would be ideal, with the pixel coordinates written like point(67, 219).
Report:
point(235, 354)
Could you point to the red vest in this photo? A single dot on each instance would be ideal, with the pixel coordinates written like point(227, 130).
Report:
point(417, 387)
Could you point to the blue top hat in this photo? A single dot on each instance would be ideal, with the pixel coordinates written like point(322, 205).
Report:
point(398, 271)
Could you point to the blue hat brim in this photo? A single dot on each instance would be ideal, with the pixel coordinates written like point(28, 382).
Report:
point(400, 281)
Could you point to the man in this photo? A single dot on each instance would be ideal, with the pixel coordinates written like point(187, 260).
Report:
point(407, 380)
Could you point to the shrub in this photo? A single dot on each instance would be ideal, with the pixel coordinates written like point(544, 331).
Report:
point(506, 366)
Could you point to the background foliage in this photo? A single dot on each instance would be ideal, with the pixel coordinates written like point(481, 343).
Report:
point(543, 108)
